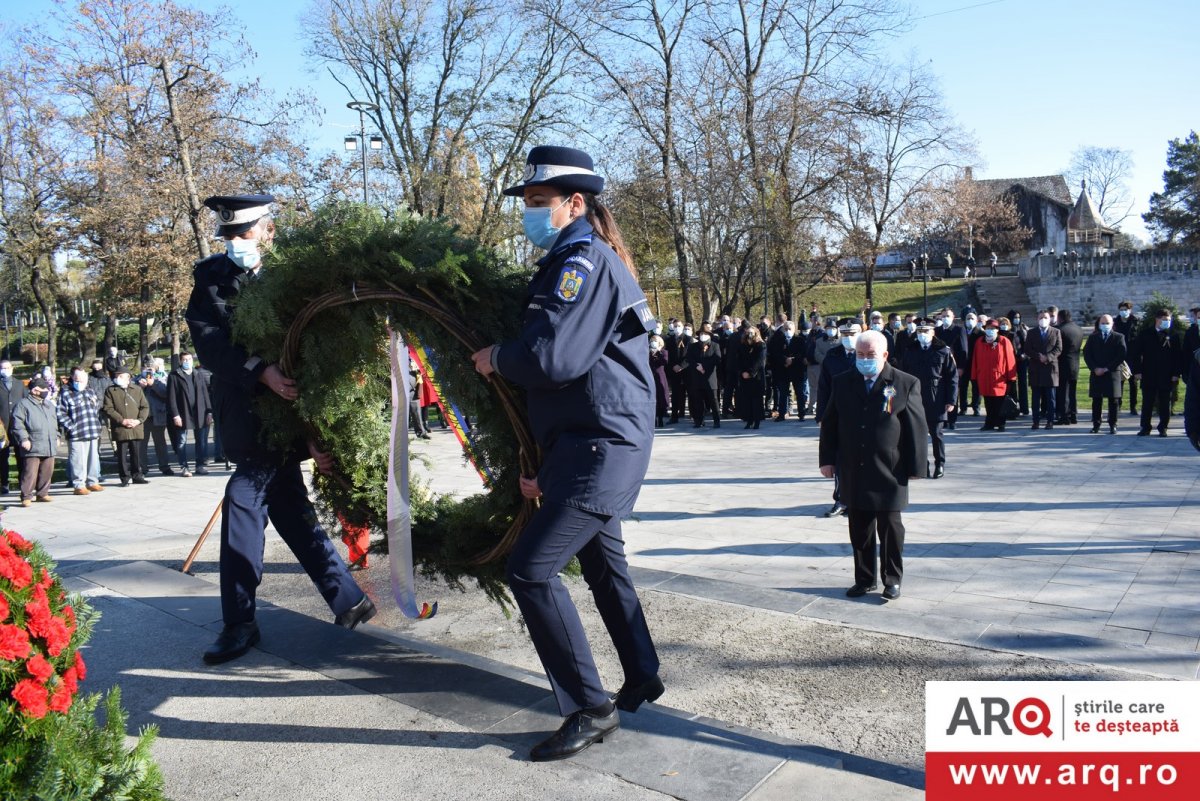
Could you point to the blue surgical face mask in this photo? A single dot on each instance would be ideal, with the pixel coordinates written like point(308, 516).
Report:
point(78, 386)
point(243, 252)
point(5, 372)
point(925, 339)
point(876, 326)
point(867, 366)
point(970, 323)
point(1163, 325)
point(1105, 328)
point(990, 333)
point(186, 366)
point(1124, 313)
point(848, 342)
point(538, 228)
point(831, 332)
point(1004, 328)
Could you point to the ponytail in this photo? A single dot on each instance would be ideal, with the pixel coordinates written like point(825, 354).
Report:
point(606, 228)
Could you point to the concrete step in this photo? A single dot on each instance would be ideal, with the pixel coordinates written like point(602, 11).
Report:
point(373, 674)
point(997, 296)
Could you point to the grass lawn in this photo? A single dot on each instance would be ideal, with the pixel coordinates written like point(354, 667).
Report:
point(845, 299)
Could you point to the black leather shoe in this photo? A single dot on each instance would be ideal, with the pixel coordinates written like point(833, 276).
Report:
point(1145, 432)
point(232, 642)
point(361, 612)
point(891, 592)
point(140, 480)
point(859, 590)
point(1049, 426)
point(628, 699)
point(836, 510)
point(1095, 429)
point(577, 732)
point(939, 470)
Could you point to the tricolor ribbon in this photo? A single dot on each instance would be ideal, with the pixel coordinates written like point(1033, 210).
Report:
point(427, 364)
point(889, 392)
point(399, 507)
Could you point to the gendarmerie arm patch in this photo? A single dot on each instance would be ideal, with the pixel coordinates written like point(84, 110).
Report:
point(582, 261)
point(570, 284)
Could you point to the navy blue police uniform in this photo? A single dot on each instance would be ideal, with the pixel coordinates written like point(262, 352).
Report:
point(581, 360)
point(837, 361)
point(267, 484)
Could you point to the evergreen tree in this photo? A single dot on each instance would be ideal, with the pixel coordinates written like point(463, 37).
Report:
point(1174, 214)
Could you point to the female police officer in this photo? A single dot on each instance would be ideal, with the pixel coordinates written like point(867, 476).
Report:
point(581, 358)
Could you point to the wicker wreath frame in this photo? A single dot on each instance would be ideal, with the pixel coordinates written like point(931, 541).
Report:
point(529, 455)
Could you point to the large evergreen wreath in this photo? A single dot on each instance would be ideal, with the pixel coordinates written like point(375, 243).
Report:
point(332, 286)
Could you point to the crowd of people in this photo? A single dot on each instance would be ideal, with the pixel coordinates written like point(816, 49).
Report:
point(108, 402)
point(1000, 368)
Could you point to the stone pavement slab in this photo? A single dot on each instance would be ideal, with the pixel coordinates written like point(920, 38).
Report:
point(325, 671)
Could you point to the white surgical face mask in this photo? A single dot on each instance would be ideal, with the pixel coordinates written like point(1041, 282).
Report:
point(1043, 322)
point(848, 342)
point(924, 338)
point(123, 381)
point(911, 327)
point(687, 332)
point(970, 323)
point(243, 252)
point(831, 332)
point(876, 326)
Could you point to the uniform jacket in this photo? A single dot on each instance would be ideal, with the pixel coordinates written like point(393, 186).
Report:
point(1072, 339)
point(35, 421)
point(706, 355)
point(126, 404)
point(581, 357)
point(935, 368)
point(877, 443)
point(1043, 372)
point(993, 366)
point(78, 414)
point(187, 398)
point(235, 385)
point(10, 396)
point(1106, 353)
point(1158, 356)
point(837, 361)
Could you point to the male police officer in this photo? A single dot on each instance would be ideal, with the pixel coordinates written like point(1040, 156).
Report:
point(931, 361)
point(266, 483)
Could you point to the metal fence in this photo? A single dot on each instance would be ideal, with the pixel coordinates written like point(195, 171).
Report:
point(1125, 262)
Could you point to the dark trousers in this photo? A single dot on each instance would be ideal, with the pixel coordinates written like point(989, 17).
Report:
point(965, 384)
point(1156, 397)
point(1067, 407)
point(4, 454)
point(782, 394)
point(254, 494)
point(727, 396)
point(1132, 383)
point(1114, 405)
point(678, 395)
point(936, 437)
point(555, 534)
point(702, 399)
point(994, 408)
point(159, 433)
point(1043, 404)
point(36, 472)
point(886, 528)
point(179, 441)
point(1023, 386)
point(129, 459)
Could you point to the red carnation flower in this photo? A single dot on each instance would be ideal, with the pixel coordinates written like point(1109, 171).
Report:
point(70, 680)
point(32, 697)
point(15, 569)
point(69, 616)
point(46, 579)
point(57, 638)
point(18, 542)
point(80, 667)
point(37, 613)
point(4, 608)
point(14, 642)
point(39, 668)
point(61, 700)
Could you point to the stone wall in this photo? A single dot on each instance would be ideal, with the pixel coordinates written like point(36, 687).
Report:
point(1091, 295)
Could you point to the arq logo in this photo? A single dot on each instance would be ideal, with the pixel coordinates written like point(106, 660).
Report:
point(1029, 716)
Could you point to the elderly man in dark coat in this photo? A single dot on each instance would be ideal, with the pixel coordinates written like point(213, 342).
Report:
point(1043, 346)
point(873, 433)
point(1104, 353)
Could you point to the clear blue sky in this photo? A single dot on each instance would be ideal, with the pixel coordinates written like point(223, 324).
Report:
point(1032, 79)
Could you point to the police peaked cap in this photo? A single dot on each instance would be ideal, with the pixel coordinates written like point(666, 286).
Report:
point(925, 322)
point(237, 214)
point(560, 167)
point(849, 324)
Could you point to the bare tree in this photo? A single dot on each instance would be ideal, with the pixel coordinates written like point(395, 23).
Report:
point(903, 139)
point(1106, 172)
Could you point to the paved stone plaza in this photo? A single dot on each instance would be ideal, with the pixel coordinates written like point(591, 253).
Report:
point(1066, 546)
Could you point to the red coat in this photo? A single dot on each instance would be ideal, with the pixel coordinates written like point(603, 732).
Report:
point(993, 366)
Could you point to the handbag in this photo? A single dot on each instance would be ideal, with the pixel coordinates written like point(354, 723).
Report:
point(1011, 409)
point(1126, 373)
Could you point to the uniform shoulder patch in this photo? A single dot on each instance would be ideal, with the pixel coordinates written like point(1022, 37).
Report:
point(583, 261)
point(570, 283)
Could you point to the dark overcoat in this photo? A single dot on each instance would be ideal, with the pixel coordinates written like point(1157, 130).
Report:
point(1043, 347)
point(1107, 353)
point(878, 441)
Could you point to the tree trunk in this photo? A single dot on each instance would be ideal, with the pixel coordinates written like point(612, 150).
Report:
point(195, 209)
point(41, 295)
point(110, 330)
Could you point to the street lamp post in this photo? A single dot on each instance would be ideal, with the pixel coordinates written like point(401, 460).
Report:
point(360, 141)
